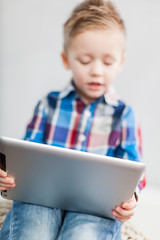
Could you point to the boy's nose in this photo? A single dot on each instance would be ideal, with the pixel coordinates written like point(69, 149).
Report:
point(96, 69)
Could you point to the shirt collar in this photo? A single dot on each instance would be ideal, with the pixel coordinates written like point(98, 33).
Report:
point(67, 90)
point(110, 97)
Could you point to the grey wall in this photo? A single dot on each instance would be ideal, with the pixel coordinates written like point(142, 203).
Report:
point(30, 64)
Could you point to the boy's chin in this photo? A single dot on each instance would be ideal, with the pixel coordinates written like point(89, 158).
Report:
point(91, 98)
point(97, 94)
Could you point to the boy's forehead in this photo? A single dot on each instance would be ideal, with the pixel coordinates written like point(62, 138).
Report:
point(98, 39)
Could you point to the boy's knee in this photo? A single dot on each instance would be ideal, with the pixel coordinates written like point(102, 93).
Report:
point(26, 221)
point(78, 233)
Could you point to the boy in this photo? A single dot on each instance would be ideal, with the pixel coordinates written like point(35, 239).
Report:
point(85, 116)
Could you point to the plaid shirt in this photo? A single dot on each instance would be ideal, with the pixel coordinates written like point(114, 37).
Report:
point(107, 126)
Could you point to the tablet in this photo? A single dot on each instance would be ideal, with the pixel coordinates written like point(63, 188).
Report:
point(67, 179)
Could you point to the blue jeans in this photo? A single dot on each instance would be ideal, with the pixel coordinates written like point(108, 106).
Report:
point(31, 222)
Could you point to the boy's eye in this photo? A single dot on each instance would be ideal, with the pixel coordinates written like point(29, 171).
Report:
point(108, 63)
point(84, 61)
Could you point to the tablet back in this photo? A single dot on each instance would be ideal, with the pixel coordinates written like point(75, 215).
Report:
point(67, 179)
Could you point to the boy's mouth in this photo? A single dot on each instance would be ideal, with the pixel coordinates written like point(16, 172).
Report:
point(95, 85)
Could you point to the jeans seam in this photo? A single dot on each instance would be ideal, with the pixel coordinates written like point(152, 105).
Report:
point(118, 229)
point(11, 226)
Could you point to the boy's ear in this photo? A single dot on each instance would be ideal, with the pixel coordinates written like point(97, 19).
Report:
point(65, 60)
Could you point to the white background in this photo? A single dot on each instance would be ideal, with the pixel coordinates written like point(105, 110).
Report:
point(30, 65)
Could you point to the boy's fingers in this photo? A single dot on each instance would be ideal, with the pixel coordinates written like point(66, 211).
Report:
point(3, 189)
point(7, 185)
point(6, 188)
point(121, 213)
point(122, 219)
point(3, 173)
point(7, 180)
point(129, 205)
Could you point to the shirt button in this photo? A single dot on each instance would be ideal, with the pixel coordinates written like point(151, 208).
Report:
point(82, 138)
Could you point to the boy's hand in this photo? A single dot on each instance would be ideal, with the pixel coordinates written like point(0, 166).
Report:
point(5, 181)
point(124, 212)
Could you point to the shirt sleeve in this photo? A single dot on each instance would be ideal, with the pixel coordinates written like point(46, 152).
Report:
point(130, 146)
point(36, 128)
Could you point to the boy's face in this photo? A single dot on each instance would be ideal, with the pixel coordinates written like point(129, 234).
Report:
point(95, 57)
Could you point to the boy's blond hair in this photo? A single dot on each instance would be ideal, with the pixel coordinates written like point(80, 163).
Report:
point(92, 14)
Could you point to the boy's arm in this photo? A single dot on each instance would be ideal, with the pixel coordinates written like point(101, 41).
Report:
point(130, 146)
point(35, 132)
point(36, 128)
